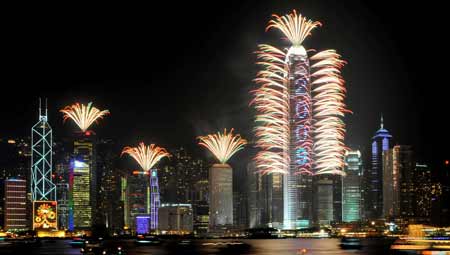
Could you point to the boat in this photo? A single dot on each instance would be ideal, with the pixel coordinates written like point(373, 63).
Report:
point(350, 243)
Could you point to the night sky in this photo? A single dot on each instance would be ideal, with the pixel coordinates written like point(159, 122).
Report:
point(169, 73)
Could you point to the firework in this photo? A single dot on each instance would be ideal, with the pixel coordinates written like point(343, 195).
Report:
point(300, 104)
point(223, 146)
point(146, 155)
point(83, 115)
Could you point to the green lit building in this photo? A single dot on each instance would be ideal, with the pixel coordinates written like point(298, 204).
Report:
point(351, 187)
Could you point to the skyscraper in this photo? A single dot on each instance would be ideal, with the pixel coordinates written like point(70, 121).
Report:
point(83, 183)
point(138, 187)
point(398, 187)
point(374, 176)
point(300, 106)
point(42, 186)
point(15, 211)
point(154, 199)
point(220, 196)
point(351, 187)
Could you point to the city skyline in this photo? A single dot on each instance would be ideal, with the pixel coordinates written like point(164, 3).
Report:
point(227, 80)
point(180, 128)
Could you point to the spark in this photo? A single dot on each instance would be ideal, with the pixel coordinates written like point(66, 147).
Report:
point(83, 115)
point(294, 26)
point(300, 105)
point(146, 155)
point(223, 145)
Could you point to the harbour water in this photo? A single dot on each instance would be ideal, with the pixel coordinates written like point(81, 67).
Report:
point(228, 246)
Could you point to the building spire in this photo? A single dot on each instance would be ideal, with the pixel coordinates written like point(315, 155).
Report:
point(40, 107)
point(382, 123)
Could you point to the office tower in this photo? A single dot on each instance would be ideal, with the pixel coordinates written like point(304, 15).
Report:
point(110, 213)
point(147, 156)
point(300, 108)
point(220, 196)
point(254, 195)
point(83, 183)
point(15, 205)
point(83, 172)
point(351, 187)
point(426, 193)
point(124, 201)
point(201, 217)
point(176, 218)
point(200, 207)
point(265, 198)
point(374, 176)
point(43, 190)
point(240, 194)
point(137, 190)
point(42, 186)
point(223, 146)
point(154, 199)
point(63, 152)
point(398, 186)
point(178, 177)
point(323, 200)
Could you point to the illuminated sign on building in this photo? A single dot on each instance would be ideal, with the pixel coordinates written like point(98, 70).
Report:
point(45, 215)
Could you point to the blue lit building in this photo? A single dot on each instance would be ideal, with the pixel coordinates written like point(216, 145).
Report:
point(351, 187)
point(374, 175)
point(154, 199)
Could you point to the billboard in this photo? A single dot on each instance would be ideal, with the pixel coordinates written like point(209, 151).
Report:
point(44, 215)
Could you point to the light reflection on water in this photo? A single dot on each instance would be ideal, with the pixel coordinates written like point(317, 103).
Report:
point(255, 247)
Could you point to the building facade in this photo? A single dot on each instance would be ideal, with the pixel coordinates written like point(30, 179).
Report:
point(351, 187)
point(83, 183)
point(221, 197)
point(374, 176)
point(176, 218)
point(15, 206)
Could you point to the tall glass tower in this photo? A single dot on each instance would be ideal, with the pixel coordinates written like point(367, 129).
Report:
point(300, 109)
point(42, 186)
point(351, 187)
point(82, 183)
point(154, 199)
point(374, 178)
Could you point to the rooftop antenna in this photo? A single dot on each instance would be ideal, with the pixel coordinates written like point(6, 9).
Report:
point(40, 112)
point(382, 124)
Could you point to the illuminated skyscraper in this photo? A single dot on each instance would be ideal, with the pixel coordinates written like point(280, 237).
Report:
point(351, 187)
point(154, 199)
point(15, 205)
point(138, 198)
point(374, 176)
point(42, 186)
point(83, 183)
point(221, 196)
point(408, 189)
point(300, 107)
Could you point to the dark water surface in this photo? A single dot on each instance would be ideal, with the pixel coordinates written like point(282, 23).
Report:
point(250, 247)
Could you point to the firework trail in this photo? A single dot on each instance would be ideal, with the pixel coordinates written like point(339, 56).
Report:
point(83, 115)
point(223, 145)
point(146, 155)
